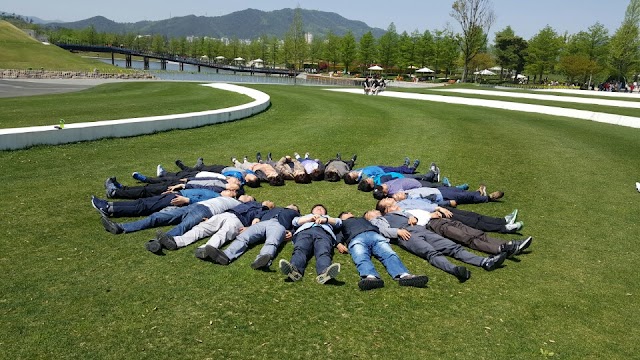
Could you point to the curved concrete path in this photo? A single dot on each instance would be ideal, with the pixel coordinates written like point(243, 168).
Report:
point(621, 120)
point(20, 138)
point(561, 98)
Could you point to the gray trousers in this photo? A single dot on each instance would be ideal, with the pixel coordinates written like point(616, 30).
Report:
point(270, 231)
point(433, 248)
point(224, 227)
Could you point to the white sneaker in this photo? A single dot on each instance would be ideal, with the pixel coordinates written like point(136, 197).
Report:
point(289, 270)
point(160, 171)
point(330, 273)
point(638, 186)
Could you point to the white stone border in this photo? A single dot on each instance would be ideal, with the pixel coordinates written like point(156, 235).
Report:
point(621, 120)
point(20, 138)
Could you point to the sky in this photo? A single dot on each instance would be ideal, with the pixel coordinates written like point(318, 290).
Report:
point(526, 17)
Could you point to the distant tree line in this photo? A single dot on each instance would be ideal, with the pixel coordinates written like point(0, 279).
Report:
point(592, 55)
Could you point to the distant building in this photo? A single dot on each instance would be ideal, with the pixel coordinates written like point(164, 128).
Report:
point(308, 37)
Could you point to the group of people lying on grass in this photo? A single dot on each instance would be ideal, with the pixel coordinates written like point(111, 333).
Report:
point(418, 212)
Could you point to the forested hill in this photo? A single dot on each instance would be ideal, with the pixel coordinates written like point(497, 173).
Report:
point(245, 24)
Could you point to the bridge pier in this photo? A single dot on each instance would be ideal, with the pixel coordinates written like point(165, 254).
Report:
point(113, 59)
point(198, 68)
point(181, 66)
point(163, 64)
point(127, 61)
point(145, 60)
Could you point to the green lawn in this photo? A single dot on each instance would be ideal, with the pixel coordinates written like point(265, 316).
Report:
point(72, 290)
point(115, 101)
point(19, 51)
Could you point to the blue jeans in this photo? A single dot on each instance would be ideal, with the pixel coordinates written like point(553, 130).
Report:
point(370, 243)
point(185, 217)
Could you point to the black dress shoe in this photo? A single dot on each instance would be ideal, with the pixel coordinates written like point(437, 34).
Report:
point(181, 165)
point(462, 273)
point(216, 255)
point(153, 246)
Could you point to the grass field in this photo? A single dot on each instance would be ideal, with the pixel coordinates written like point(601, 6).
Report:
point(115, 101)
point(19, 51)
point(72, 290)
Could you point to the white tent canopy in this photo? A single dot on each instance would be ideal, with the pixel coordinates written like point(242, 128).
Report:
point(258, 60)
point(238, 59)
point(219, 57)
point(484, 72)
point(424, 70)
point(376, 68)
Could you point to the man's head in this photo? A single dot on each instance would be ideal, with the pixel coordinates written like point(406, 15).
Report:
point(365, 185)
point(331, 176)
point(399, 196)
point(317, 175)
point(351, 178)
point(229, 193)
point(302, 178)
point(372, 214)
point(232, 186)
point(252, 180)
point(379, 192)
point(246, 198)
point(384, 204)
point(277, 180)
point(293, 207)
point(233, 180)
point(268, 204)
point(318, 209)
point(345, 215)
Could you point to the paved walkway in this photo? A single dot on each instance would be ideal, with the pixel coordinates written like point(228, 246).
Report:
point(628, 121)
point(561, 98)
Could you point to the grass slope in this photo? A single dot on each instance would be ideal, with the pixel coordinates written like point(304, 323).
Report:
point(71, 290)
point(115, 101)
point(19, 51)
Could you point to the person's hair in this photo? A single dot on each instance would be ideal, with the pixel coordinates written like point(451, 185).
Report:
point(317, 175)
point(378, 193)
point(295, 206)
point(277, 180)
point(331, 176)
point(349, 180)
point(303, 178)
point(342, 213)
point(320, 205)
point(253, 183)
point(364, 185)
point(380, 207)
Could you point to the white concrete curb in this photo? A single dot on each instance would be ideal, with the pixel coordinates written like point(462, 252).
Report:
point(20, 138)
point(621, 120)
point(569, 99)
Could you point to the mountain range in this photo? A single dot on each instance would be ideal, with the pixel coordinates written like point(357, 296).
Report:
point(245, 24)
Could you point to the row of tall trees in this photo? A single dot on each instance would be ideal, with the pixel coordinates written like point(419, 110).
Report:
point(582, 57)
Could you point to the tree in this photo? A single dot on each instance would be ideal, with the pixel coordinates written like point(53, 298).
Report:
point(316, 49)
point(544, 51)
point(475, 18)
point(510, 51)
point(348, 49)
point(295, 41)
point(632, 15)
point(388, 47)
point(445, 50)
point(576, 66)
point(624, 50)
point(332, 48)
point(367, 50)
point(157, 44)
point(425, 49)
point(592, 44)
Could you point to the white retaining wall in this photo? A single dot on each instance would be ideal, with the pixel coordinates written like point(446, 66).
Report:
point(20, 138)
